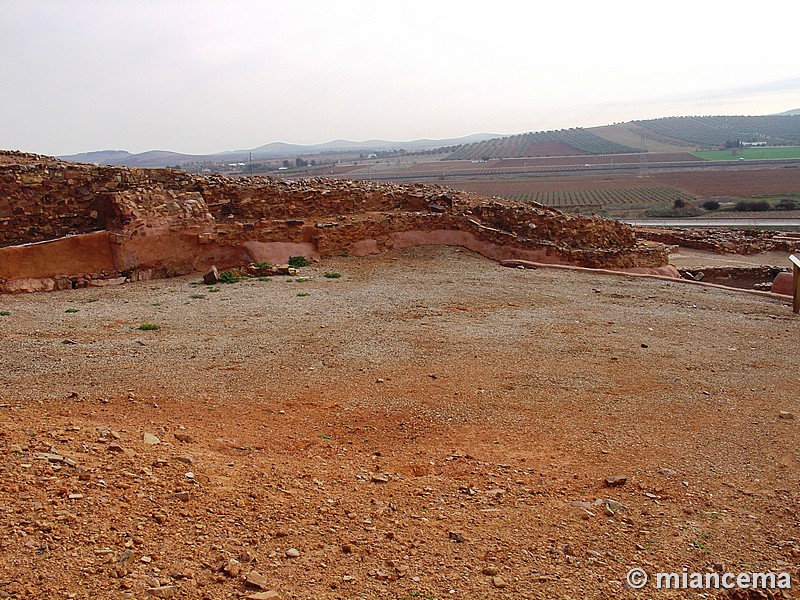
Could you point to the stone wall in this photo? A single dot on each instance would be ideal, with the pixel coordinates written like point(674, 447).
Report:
point(163, 222)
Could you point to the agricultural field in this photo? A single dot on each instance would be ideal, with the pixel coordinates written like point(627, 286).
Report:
point(628, 195)
point(600, 198)
point(750, 153)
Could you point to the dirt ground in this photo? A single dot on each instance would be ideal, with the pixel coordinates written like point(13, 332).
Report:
point(429, 425)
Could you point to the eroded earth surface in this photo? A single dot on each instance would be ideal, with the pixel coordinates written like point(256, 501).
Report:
point(428, 425)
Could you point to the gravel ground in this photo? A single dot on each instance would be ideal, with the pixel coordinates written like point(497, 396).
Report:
point(428, 425)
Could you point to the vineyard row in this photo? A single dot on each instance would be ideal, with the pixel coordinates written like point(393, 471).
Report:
point(558, 199)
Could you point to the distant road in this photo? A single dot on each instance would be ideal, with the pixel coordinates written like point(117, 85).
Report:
point(749, 223)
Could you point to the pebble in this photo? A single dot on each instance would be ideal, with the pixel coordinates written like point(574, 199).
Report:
point(784, 414)
point(268, 595)
point(380, 478)
point(499, 582)
point(456, 537)
point(150, 439)
point(163, 591)
point(616, 480)
point(292, 553)
point(256, 579)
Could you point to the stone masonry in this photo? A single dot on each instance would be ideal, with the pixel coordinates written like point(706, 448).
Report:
point(67, 224)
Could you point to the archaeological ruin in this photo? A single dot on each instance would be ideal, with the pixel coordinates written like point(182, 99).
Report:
point(67, 225)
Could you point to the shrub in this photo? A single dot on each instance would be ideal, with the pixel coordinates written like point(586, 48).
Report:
point(228, 277)
point(333, 275)
point(710, 205)
point(752, 206)
point(302, 294)
point(148, 327)
point(786, 204)
point(679, 203)
point(262, 265)
point(298, 261)
point(5, 313)
point(71, 310)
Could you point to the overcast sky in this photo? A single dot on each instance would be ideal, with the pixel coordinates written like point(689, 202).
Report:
point(200, 76)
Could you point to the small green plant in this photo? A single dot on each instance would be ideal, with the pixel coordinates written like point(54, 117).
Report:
point(262, 265)
point(156, 304)
point(302, 294)
point(148, 327)
point(228, 277)
point(71, 310)
point(298, 261)
point(265, 279)
point(90, 300)
point(214, 289)
point(333, 275)
point(323, 436)
point(5, 313)
point(197, 296)
point(700, 545)
point(301, 280)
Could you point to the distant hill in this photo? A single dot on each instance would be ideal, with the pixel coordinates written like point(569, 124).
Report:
point(163, 158)
point(670, 134)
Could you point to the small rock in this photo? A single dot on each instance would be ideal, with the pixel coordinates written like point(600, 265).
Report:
point(163, 591)
point(256, 579)
point(667, 472)
point(616, 480)
point(784, 414)
point(292, 553)
point(490, 570)
point(380, 478)
point(150, 439)
point(114, 447)
point(499, 582)
point(233, 568)
point(268, 595)
point(184, 437)
point(212, 276)
point(455, 536)
point(182, 495)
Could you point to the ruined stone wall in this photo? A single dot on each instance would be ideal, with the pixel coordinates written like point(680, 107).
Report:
point(163, 222)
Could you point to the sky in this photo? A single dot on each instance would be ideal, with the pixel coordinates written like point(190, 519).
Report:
point(203, 76)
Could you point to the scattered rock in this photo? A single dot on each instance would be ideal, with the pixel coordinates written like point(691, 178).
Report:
point(455, 536)
point(211, 277)
point(256, 579)
point(184, 437)
point(499, 582)
point(616, 480)
point(268, 595)
point(785, 415)
point(150, 439)
point(380, 478)
point(163, 591)
point(292, 553)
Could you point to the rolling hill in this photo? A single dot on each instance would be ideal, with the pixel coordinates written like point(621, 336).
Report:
point(669, 134)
